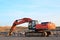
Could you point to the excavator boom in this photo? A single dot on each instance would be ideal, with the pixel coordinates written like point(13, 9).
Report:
point(17, 22)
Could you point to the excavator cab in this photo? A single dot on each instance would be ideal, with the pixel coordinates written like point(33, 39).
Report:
point(32, 24)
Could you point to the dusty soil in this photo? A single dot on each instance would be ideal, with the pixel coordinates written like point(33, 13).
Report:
point(4, 31)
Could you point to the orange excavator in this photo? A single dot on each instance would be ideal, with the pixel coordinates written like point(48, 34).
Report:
point(43, 29)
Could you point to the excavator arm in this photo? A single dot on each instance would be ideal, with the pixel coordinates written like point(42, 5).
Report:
point(17, 22)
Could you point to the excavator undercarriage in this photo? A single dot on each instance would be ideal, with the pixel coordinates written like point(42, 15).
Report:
point(37, 34)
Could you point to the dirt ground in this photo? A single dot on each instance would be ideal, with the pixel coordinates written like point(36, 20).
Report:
point(4, 31)
point(29, 38)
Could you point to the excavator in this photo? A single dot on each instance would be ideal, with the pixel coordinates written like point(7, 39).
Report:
point(36, 29)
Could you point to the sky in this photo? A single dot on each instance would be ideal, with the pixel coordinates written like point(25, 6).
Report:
point(41, 10)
